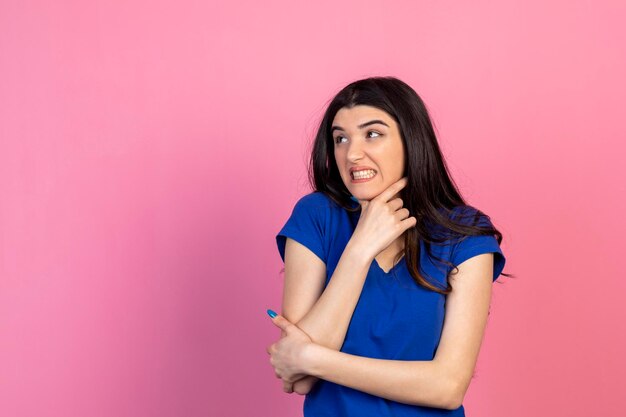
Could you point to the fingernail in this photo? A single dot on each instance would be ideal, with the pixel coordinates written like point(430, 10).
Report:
point(353, 198)
point(271, 313)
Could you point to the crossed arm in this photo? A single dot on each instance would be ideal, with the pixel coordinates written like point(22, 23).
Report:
point(440, 383)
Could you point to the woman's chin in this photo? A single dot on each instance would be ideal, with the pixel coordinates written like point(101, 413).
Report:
point(364, 196)
point(364, 191)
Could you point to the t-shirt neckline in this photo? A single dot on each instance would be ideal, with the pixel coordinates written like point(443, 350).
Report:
point(392, 268)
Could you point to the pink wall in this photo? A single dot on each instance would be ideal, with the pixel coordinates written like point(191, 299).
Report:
point(150, 151)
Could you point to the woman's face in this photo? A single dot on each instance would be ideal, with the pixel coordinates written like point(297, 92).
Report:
point(368, 145)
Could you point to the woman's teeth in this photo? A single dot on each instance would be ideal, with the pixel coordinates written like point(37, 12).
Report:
point(368, 173)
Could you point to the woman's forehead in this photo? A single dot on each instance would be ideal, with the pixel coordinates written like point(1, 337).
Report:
point(360, 114)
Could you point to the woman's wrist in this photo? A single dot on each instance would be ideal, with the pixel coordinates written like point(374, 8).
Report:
point(359, 253)
point(311, 357)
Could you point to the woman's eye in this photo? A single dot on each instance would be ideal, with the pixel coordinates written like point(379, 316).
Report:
point(338, 138)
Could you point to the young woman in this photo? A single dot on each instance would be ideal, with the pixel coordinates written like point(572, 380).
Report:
point(388, 272)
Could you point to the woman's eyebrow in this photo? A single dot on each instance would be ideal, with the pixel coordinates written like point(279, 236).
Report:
point(371, 122)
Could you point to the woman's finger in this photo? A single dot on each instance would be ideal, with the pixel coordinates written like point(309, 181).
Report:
point(402, 214)
point(392, 190)
point(396, 204)
point(409, 222)
point(288, 387)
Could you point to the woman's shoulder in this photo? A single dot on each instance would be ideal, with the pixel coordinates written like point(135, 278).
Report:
point(470, 215)
point(317, 200)
point(442, 230)
point(463, 214)
point(314, 197)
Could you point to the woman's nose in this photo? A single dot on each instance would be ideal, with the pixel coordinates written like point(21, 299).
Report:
point(355, 151)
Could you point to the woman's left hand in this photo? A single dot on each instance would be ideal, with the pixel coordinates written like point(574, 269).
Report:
point(287, 356)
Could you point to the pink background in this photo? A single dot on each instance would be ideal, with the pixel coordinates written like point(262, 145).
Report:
point(151, 150)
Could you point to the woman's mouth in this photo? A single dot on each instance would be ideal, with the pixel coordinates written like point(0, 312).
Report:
point(362, 175)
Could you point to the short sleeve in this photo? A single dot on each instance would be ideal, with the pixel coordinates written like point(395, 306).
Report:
point(472, 246)
point(476, 245)
point(306, 225)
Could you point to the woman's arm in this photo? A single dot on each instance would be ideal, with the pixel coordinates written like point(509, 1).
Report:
point(326, 319)
point(324, 314)
point(441, 382)
point(410, 382)
point(305, 275)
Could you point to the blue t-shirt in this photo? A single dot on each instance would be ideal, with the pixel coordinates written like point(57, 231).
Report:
point(395, 318)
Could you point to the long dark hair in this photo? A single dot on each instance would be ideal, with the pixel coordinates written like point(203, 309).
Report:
point(431, 196)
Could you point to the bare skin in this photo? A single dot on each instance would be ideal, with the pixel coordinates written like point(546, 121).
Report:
point(363, 136)
point(324, 314)
point(309, 347)
point(441, 382)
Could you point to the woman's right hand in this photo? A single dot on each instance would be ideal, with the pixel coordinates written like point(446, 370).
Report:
point(303, 385)
point(382, 220)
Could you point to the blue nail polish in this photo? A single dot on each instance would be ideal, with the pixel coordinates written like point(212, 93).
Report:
point(271, 313)
point(353, 198)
